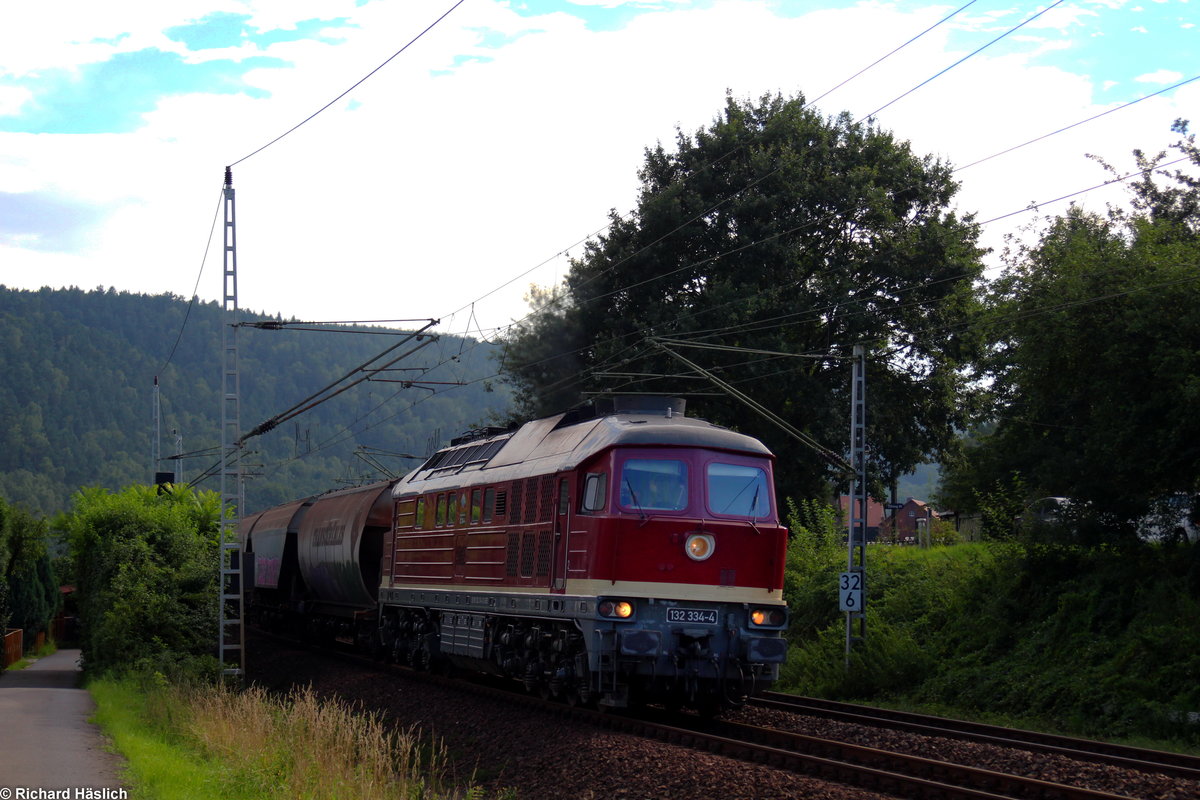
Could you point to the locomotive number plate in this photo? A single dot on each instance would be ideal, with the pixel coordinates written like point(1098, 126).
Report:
point(700, 616)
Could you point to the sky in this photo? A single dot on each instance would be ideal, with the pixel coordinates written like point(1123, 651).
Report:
point(474, 162)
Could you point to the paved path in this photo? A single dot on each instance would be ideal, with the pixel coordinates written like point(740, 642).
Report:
point(46, 741)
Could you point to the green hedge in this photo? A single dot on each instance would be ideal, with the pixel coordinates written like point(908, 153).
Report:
point(1102, 641)
point(146, 567)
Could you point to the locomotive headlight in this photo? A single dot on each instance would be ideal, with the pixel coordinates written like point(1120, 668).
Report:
point(621, 609)
point(700, 546)
point(772, 617)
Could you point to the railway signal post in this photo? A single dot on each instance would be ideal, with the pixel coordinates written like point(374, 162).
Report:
point(852, 584)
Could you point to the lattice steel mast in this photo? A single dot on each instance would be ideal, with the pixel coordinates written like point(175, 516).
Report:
point(231, 630)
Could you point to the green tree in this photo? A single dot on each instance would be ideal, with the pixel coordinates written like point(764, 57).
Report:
point(1093, 359)
point(774, 230)
point(4, 559)
point(146, 566)
point(32, 595)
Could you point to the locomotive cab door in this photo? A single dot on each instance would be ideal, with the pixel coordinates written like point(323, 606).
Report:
point(562, 530)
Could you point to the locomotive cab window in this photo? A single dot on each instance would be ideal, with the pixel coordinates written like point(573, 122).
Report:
point(595, 490)
point(654, 484)
point(737, 490)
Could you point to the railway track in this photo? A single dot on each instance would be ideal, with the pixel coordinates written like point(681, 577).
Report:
point(876, 770)
point(879, 771)
point(1155, 761)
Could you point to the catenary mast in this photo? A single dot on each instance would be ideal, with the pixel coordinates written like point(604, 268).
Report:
point(231, 630)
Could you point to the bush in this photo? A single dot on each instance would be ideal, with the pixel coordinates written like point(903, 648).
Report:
point(146, 567)
point(816, 554)
point(1102, 641)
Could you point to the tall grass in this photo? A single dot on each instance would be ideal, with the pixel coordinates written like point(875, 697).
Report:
point(254, 745)
point(300, 746)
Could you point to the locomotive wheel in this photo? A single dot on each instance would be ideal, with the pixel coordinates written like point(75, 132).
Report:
point(422, 659)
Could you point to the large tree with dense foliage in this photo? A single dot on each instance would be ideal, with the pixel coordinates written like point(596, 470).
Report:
point(777, 230)
point(1095, 352)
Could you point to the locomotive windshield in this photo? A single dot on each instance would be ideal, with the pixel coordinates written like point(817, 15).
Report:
point(654, 484)
point(661, 485)
point(738, 490)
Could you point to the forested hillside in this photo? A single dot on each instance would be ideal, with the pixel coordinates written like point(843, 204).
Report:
point(76, 399)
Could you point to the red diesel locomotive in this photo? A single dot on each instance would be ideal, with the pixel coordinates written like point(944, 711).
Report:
point(625, 557)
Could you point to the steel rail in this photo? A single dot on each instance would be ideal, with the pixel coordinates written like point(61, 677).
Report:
point(1177, 765)
point(965, 781)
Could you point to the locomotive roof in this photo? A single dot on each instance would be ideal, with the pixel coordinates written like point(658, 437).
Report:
point(558, 443)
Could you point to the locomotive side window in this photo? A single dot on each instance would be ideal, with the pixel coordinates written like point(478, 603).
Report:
point(595, 489)
point(489, 504)
point(738, 490)
point(462, 509)
point(476, 506)
point(654, 484)
point(440, 519)
point(452, 509)
point(564, 497)
point(419, 520)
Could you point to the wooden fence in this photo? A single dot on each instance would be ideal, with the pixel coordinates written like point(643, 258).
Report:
point(14, 640)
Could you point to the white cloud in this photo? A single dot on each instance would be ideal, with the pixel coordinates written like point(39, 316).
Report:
point(1163, 76)
point(12, 98)
point(1061, 18)
point(634, 3)
point(76, 32)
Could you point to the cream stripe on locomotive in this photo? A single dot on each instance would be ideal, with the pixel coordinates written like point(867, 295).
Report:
point(633, 589)
point(690, 592)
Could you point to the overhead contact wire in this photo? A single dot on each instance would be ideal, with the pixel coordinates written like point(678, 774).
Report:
point(881, 59)
point(723, 157)
point(196, 288)
point(360, 82)
point(1022, 24)
point(1077, 124)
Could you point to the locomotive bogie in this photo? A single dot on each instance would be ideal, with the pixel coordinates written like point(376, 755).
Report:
point(611, 649)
